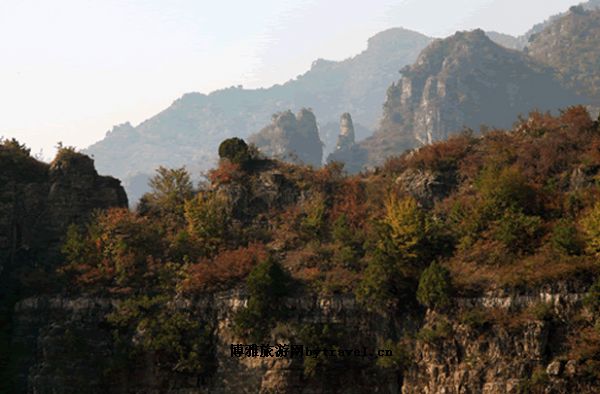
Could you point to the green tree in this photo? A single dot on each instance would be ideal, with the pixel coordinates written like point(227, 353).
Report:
point(590, 224)
point(235, 150)
point(266, 284)
point(207, 217)
point(170, 188)
point(434, 287)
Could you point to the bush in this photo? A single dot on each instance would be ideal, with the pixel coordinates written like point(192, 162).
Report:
point(516, 230)
point(267, 283)
point(439, 330)
point(174, 337)
point(565, 238)
point(235, 150)
point(592, 298)
point(401, 355)
point(434, 287)
point(590, 224)
point(207, 217)
point(224, 269)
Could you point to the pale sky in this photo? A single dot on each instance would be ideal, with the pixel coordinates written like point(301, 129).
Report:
point(71, 69)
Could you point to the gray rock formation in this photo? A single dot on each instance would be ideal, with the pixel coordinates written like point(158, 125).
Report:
point(191, 129)
point(347, 151)
point(346, 138)
point(292, 138)
point(463, 81)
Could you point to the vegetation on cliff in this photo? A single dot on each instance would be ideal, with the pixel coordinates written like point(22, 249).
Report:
point(519, 210)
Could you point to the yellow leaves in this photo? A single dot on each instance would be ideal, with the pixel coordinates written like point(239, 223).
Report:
point(591, 228)
point(406, 224)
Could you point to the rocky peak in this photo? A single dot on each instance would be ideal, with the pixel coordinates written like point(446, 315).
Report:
point(569, 44)
point(465, 80)
point(346, 137)
point(293, 138)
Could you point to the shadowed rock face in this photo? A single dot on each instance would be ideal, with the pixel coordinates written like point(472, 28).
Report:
point(292, 138)
point(39, 201)
point(463, 81)
point(497, 358)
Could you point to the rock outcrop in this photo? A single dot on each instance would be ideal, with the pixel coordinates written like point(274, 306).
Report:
point(189, 131)
point(346, 138)
point(570, 45)
point(347, 151)
point(463, 81)
point(474, 349)
point(292, 138)
point(38, 201)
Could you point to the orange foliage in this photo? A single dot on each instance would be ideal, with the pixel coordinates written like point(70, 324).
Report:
point(444, 155)
point(226, 172)
point(350, 199)
point(227, 267)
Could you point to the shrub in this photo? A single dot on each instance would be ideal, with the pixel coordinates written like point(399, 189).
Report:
point(235, 150)
point(439, 330)
point(267, 283)
point(313, 222)
point(516, 230)
point(565, 238)
point(224, 269)
point(592, 298)
point(177, 340)
point(405, 229)
point(590, 224)
point(401, 357)
point(503, 188)
point(170, 188)
point(434, 287)
point(477, 318)
point(207, 217)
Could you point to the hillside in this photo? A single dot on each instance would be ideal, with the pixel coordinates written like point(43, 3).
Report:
point(570, 45)
point(473, 261)
point(465, 80)
point(522, 41)
point(189, 131)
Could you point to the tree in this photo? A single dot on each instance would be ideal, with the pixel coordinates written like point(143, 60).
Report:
point(235, 150)
point(590, 224)
point(170, 188)
point(434, 287)
point(207, 219)
point(405, 228)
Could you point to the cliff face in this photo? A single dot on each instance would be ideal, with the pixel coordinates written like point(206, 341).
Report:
point(39, 201)
point(292, 138)
point(570, 45)
point(462, 81)
point(473, 349)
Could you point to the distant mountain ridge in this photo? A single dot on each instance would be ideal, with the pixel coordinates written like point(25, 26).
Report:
point(189, 131)
point(465, 80)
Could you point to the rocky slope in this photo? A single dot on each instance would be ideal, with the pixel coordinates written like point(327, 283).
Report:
point(292, 138)
point(570, 45)
point(463, 81)
point(476, 348)
point(189, 131)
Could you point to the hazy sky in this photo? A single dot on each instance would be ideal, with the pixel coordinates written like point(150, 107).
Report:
point(71, 69)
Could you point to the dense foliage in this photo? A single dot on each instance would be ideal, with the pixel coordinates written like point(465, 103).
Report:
point(520, 209)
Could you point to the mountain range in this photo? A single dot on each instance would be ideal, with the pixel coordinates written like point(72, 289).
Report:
point(465, 80)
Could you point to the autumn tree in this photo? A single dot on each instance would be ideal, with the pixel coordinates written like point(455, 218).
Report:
point(170, 188)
